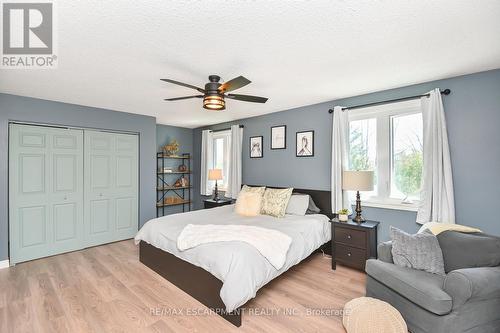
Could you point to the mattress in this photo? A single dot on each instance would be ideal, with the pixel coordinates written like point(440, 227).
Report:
point(240, 267)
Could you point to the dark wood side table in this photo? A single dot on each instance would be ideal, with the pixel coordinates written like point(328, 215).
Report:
point(210, 203)
point(353, 243)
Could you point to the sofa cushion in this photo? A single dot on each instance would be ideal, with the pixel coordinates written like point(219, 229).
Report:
point(461, 250)
point(419, 251)
point(384, 251)
point(479, 283)
point(422, 288)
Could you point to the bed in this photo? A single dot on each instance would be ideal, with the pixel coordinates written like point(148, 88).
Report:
point(225, 275)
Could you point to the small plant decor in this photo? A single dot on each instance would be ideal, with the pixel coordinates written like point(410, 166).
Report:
point(343, 215)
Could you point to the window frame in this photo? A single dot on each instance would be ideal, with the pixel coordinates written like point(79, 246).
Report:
point(384, 132)
point(226, 135)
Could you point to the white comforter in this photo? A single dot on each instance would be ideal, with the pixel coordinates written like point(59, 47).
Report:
point(239, 265)
point(271, 244)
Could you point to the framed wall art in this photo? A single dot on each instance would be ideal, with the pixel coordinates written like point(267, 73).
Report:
point(305, 144)
point(256, 147)
point(278, 137)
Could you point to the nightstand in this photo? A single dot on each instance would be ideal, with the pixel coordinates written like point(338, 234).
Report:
point(353, 243)
point(210, 203)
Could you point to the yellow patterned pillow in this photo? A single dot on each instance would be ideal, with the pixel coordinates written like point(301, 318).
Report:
point(275, 201)
point(253, 189)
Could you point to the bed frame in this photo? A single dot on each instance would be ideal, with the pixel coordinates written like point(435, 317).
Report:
point(199, 283)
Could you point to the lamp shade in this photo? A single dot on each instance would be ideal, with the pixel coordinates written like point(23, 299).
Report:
point(215, 174)
point(357, 180)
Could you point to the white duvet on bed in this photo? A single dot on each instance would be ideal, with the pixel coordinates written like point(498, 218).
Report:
point(271, 244)
point(240, 266)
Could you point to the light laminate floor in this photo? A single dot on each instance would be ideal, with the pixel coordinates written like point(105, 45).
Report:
point(107, 289)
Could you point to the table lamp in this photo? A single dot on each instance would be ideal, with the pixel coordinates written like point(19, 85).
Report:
point(215, 174)
point(357, 181)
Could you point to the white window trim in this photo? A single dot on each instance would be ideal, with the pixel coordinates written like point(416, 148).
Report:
point(390, 204)
point(215, 136)
point(383, 115)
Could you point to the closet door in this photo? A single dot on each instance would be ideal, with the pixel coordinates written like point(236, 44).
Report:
point(111, 187)
point(45, 191)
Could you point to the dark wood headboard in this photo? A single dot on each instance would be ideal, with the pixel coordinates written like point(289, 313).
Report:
point(322, 199)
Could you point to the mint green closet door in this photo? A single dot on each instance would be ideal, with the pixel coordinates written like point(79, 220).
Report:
point(111, 186)
point(45, 191)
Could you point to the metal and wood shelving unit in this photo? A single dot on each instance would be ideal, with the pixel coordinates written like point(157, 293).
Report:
point(165, 184)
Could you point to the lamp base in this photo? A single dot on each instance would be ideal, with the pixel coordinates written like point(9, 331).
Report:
point(358, 218)
point(216, 193)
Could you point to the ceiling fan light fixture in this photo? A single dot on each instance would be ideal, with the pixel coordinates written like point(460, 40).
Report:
point(214, 93)
point(214, 102)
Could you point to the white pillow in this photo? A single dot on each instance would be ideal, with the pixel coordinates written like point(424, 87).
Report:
point(298, 204)
point(248, 204)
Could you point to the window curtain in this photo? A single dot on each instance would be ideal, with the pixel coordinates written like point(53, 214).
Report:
point(437, 200)
point(340, 137)
point(235, 156)
point(206, 161)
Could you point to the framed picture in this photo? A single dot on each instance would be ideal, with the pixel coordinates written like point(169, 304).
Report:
point(305, 144)
point(278, 137)
point(256, 147)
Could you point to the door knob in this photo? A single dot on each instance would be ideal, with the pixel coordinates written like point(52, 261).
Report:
point(100, 194)
point(65, 198)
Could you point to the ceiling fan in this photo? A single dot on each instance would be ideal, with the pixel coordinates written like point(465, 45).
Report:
point(215, 92)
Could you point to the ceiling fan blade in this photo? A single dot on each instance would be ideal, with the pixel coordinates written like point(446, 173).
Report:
point(234, 84)
point(247, 98)
point(185, 97)
point(184, 85)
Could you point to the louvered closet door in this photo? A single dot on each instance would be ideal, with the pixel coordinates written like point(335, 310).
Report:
point(45, 191)
point(111, 187)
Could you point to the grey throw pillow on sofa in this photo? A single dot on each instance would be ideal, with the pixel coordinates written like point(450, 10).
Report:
point(463, 250)
point(419, 251)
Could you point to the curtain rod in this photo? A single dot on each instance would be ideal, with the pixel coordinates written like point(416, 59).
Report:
point(225, 129)
point(444, 92)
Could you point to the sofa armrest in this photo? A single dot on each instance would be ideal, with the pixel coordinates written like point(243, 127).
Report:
point(420, 287)
point(384, 251)
point(472, 283)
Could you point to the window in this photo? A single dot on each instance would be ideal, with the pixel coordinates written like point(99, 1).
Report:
point(221, 143)
point(389, 140)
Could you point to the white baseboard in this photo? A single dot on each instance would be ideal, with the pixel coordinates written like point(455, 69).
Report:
point(4, 264)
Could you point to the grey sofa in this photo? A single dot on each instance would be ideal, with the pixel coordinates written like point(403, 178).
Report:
point(463, 300)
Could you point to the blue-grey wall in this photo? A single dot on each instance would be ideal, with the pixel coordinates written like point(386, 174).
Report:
point(16, 108)
point(473, 118)
point(184, 136)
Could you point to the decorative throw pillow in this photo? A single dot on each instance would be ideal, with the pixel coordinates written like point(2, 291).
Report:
point(419, 251)
point(298, 204)
point(275, 201)
point(312, 209)
point(255, 189)
point(464, 250)
point(248, 204)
